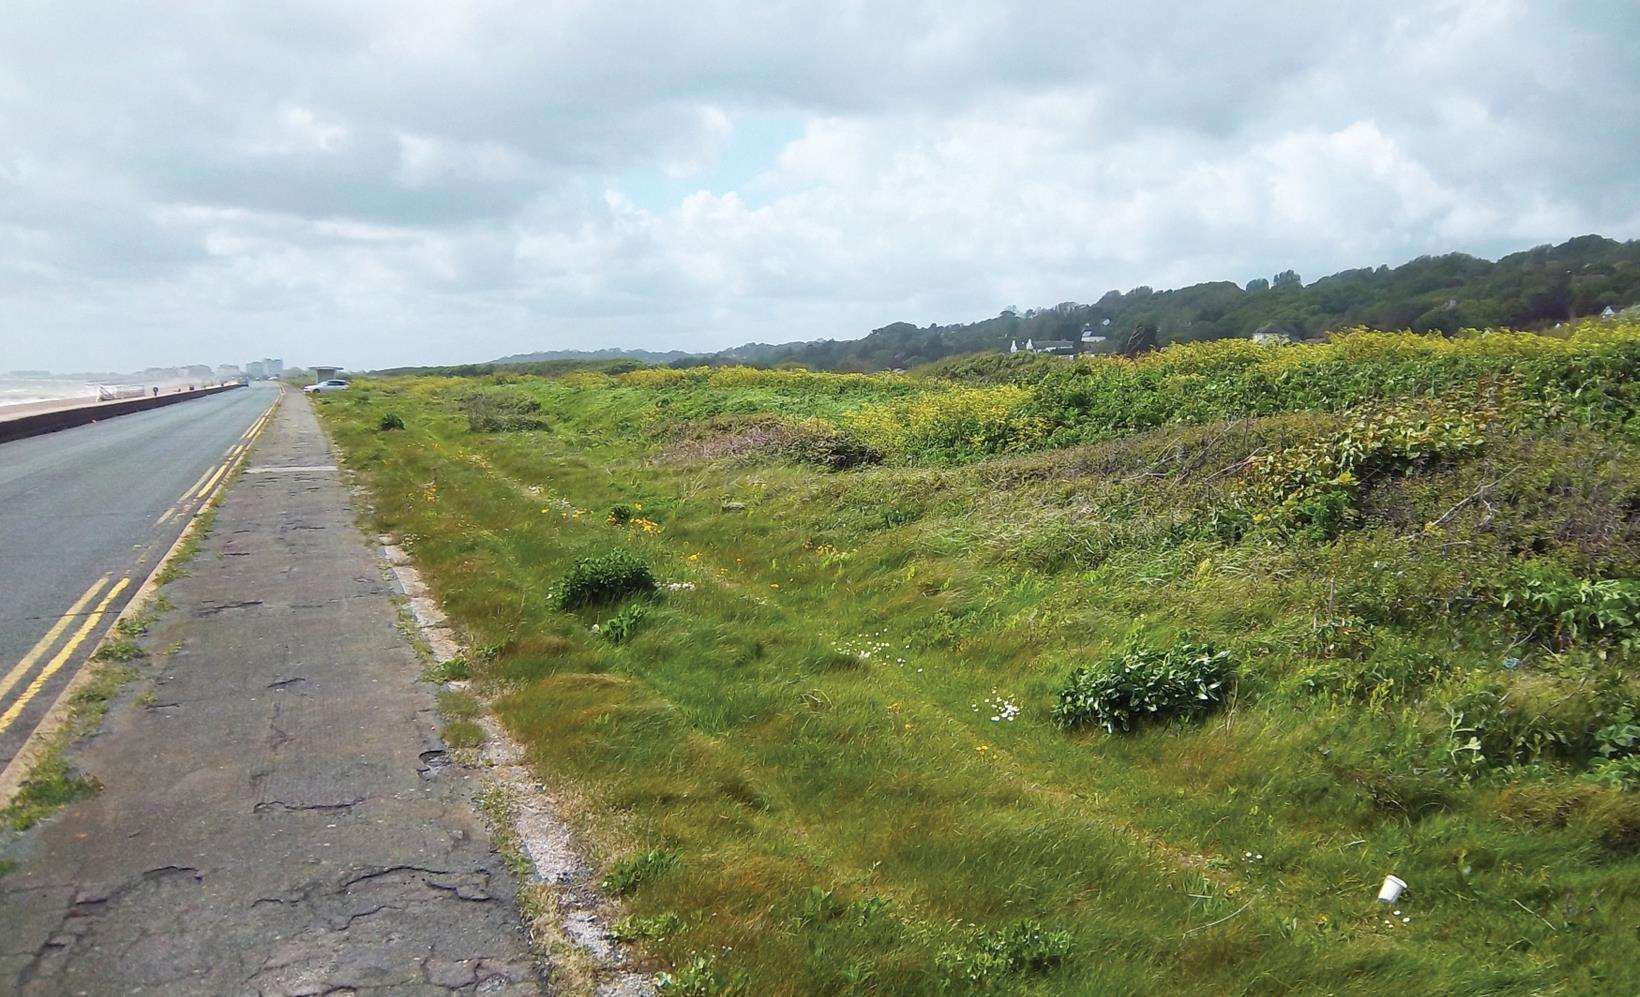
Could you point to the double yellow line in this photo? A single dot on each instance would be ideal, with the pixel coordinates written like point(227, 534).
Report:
point(52, 667)
point(214, 474)
point(18, 672)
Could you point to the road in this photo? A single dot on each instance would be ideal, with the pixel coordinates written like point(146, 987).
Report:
point(85, 514)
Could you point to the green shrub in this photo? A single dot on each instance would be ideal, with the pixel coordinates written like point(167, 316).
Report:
point(1618, 773)
point(619, 628)
point(1618, 744)
point(1561, 610)
point(1312, 487)
point(501, 410)
point(620, 514)
point(389, 422)
point(660, 927)
point(635, 870)
point(604, 578)
point(1144, 682)
point(699, 977)
point(1493, 720)
point(817, 443)
point(987, 956)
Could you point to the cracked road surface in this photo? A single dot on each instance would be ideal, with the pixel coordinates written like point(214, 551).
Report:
point(278, 816)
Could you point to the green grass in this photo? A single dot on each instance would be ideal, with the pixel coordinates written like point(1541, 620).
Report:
point(51, 786)
point(806, 705)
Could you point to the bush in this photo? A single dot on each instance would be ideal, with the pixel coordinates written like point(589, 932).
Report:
point(986, 956)
point(1559, 609)
point(604, 578)
point(389, 422)
point(500, 410)
point(951, 426)
point(620, 514)
point(1143, 682)
point(831, 448)
point(1313, 486)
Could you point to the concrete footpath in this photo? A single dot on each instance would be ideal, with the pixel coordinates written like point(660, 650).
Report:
point(278, 815)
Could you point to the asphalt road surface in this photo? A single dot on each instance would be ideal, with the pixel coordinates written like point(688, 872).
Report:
point(85, 514)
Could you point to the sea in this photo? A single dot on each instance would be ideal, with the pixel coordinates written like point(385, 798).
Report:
point(25, 390)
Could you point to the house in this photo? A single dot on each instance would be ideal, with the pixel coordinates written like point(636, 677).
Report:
point(1269, 334)
point(1053, 347)
point(1610, 312)
point(1092, 339)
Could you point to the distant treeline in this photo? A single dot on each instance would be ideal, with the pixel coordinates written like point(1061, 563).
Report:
point(1527, 290)
point(544, 368)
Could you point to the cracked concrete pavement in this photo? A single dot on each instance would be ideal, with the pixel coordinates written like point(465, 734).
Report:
point(278, 816)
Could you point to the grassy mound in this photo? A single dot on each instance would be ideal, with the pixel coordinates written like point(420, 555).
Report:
point(1402, 569)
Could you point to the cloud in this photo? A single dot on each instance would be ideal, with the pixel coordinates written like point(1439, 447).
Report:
point(394, 183)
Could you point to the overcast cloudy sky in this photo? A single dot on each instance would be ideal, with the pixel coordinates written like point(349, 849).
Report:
point(412, 182)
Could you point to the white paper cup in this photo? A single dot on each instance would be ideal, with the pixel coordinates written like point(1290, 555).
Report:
point(1391, 890)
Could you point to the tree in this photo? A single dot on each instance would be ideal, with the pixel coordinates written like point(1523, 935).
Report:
point(1142, 338)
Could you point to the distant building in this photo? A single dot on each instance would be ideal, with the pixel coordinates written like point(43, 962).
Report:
point(1057, 347)
point(1270, 334)
point(1610, 312)
point(254, 371)
point(1094, 340)
point(273, 368)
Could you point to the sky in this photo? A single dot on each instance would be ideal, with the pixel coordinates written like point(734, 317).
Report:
point(378, 184)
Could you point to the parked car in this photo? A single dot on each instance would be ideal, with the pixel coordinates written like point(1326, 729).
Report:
point(335, 384)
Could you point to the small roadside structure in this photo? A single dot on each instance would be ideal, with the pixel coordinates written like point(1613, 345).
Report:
point(322, 374)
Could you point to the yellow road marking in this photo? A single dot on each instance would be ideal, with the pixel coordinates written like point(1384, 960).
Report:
point(195, 486)
point(168, 514)
point(62, 656)
point(33, 655)
point(203, 492)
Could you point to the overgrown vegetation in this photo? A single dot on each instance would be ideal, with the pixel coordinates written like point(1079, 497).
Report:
point(884, 724)
point(604, 578)
point(1144, 683)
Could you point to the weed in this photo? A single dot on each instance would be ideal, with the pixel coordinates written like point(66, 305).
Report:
point(658, 927)
point(1144, 683)
point(1562, 610)
point(463, 734)
point(454, 669)
point(501, 410)
point(50, 786)
point(633, 871)
point(699, 976)
point(604, 578)
point(119, 648)
point(389, 422)
point(987, 956)
point(619, 628)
